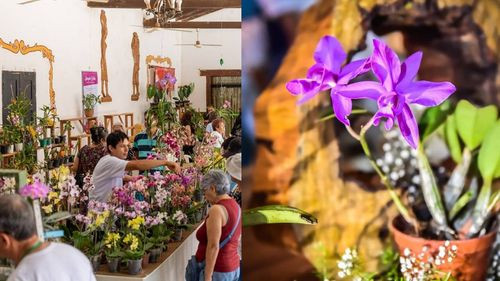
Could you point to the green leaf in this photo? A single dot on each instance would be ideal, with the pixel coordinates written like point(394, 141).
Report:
point(430, 191)
point(276, 214)
point(474, 123)
point(489, 154)
point(455, 184)
point(451, 136)
point(460, 204)
point(433, 118)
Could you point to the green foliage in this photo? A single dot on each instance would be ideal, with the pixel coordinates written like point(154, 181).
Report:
point(474, 123)
point(433, 118)
point(184, 92)
point(90, 101)
point(489, 154)
point(276, 214)
point(451, 137)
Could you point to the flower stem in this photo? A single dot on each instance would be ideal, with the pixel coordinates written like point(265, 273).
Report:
point(385, 180)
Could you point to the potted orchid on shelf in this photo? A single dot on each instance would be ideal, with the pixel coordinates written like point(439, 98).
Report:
point(394, 92)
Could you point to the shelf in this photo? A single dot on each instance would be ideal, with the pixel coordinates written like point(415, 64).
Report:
point(10, 154)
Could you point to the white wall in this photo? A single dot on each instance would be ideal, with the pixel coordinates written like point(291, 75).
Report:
point(73, 32)
point(194, 59)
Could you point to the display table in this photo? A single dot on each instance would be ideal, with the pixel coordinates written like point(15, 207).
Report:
point(170, 267)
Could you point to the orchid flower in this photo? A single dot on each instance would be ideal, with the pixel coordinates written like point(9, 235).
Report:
point(328, 74)
point(397, 90)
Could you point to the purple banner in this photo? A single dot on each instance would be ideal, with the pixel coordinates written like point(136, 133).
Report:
point(89, 78)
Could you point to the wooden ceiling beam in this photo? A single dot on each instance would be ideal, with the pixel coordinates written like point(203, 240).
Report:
point(139, 4)
point(195, 24)
point(196, 14)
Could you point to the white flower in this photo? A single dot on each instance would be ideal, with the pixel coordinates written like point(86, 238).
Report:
point(454, 248)
point(447, 243)
point(341, 274)
point(406, 252)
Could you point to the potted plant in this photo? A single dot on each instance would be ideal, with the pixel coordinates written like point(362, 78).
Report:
point(183, 94)
point(134, 253)
point(89, 102)
point(158, 236)
point(178, 221)
point(464, 224)
point(65, 130)
point(113, 251)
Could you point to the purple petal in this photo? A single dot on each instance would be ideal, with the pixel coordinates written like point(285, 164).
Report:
point(409, 69)
point(384, 112)
point(302, 86)
point(322, 75)
point(385, 64)
point(353, 69)
point(408, 126)
point(330, 53)
point(362, 90)
point(428, 93)
point(342, 107)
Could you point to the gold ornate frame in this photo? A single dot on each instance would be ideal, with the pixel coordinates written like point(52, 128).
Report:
point(159, 60)
point(20, 46)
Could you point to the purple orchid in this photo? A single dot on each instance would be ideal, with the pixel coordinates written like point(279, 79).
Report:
point(36, 190)
point(397, 90)
point(327, 74)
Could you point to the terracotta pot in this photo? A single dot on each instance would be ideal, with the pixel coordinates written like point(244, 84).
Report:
point(89, 112)
point(145, 260)
point(472, 255)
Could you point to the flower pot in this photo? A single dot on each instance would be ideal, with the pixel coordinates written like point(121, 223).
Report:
point(113, 264)
point(198, 216)
point(57, 140)
point(10, 148)
point(154, 255)
point(4, 148)
point(48, 132)
point(145, 259)
point(134, 266)
point(177, 235)
point(89, 113)
point(71, 158)
point(50, 164)
point(62, 139)
point(48, 141)
point(198, 195)
point(96, 262)
point(19, 146)
point(471, 257)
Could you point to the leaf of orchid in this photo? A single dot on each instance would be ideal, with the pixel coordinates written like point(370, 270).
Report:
point(428, 93)
point(385, 64)
point(408, 126)
point(456, 183)
point(452, 140)
point(276, 214)
point(362, 90)
point(352, 70)
point(409, 69)
point(432, 119)
point(430, 190)
point(330, 53)
point(460, 204)
point(342, 107)
point(474, 123)
point(465, 215)
point(489, 154)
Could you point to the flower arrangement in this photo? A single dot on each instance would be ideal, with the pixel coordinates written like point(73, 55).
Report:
point(7, 185)
point(394, 92)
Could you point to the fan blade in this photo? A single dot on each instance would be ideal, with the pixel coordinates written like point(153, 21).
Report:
point(185, 44)
point(27, 2)
point(218, 45)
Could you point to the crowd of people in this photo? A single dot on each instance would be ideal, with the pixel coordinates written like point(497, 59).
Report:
point(109, 158)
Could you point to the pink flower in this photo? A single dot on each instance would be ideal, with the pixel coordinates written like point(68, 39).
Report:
point(37, 190)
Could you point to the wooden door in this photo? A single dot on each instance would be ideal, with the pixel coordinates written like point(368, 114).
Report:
point(13, 84)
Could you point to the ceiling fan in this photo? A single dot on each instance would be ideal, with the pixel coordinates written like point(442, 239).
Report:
point(198, 44)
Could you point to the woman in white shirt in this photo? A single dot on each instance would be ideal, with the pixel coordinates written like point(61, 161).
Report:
point(219, 131)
